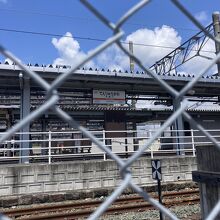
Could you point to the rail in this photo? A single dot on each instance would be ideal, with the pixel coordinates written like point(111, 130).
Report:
point(81, 208)
point(53, 146)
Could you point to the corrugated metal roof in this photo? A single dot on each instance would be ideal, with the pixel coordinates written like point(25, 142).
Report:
point(99, 108)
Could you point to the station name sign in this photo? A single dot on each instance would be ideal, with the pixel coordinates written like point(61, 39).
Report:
point(108, 97)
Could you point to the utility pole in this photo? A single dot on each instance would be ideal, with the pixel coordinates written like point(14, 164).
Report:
point(133, 98)
point(216, 26)
point(131, 59)
point(133, 101)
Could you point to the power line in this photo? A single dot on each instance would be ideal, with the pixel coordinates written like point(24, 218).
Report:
point(88, 38)
point(48, 34)
point(84, 18)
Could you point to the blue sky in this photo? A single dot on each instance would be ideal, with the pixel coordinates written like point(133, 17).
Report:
point(159, 23)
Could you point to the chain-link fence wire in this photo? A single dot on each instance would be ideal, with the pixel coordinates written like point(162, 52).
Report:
point(52, 99)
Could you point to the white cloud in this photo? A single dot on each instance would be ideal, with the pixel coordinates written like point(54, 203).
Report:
point(199, 63)
point(161, 37)
point(202, 16)
point(69, 51)
point(112, 58)
point(165, 37)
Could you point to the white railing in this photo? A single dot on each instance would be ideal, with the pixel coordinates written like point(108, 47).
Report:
point(71, 145)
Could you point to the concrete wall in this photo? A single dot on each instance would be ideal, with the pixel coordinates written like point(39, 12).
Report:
point(62, 177)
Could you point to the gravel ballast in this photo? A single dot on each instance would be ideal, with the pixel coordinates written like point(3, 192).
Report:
point(182, 212)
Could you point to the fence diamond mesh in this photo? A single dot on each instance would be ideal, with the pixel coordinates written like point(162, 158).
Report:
point(53, 97)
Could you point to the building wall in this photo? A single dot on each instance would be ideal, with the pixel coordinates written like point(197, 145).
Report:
point(211, 123)
point(62, 177)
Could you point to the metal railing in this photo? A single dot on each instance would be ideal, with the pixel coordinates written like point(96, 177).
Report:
point(124, 165)
point(53, 146)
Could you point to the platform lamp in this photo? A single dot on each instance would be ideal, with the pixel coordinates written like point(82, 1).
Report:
point(21, 80)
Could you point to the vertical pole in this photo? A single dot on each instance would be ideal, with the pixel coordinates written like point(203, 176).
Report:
point(9, 144)
point(151, 153)
point(24, 112)
point(216, 26)
point(103, 136)
point(135, 141)
point(49, 148)
point(131, 50)
point(151, 149)
point(9, 147)
point(159, 197)
point(126, 144)
point(126, 139)
point(43, 136)
point(178, 127)
point(193, 143)
point(13, 152)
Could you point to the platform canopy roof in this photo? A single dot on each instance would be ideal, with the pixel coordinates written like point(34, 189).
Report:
point(139, 83)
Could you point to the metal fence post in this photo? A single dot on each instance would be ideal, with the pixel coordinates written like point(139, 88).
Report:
point(49, 147)
point(103, 136)
point(9, 146)
point(193, 143)
point(151, 150)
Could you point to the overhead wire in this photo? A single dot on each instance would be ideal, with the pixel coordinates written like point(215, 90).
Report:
point(91, 39)
point(84, 38)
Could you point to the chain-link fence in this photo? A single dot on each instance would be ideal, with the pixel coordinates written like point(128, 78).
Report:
point(52, 98)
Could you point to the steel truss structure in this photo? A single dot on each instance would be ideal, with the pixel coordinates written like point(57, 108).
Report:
point(185, 52)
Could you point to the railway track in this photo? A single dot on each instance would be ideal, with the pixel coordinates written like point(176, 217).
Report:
point(77, 209)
